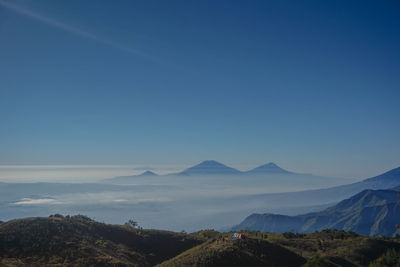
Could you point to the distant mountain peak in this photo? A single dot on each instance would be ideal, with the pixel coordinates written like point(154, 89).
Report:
point(209, 163)
point(148, 173)
point(270, 167)
point(210, 167)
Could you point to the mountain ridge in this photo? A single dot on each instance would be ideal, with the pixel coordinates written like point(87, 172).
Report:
point(215, 167)
point(211, 167)
point(335, 194)
point(370, 212)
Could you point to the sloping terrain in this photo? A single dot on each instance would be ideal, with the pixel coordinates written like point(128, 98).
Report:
point(325, 248)
point(336, 248)
point(371, 212)
point(78, 240)
point(387, 180)
point(236, 252)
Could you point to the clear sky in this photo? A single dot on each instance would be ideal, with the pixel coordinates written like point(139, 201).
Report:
point(311, 85)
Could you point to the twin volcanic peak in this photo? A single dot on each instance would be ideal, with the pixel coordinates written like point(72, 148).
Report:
point(208, 167)
point(215, 167)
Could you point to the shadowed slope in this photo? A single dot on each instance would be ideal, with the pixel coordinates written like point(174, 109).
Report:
point(237, 252)
point(371, 212)
point(84, 242)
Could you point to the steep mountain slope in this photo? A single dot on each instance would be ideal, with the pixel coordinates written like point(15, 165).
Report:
point(209, 167)
point(329, 195)
point(371, 212)
point(79, 241)
point(269, 168)
point(386, 180)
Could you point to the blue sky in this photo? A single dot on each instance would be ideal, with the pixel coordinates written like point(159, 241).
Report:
point(310, 85)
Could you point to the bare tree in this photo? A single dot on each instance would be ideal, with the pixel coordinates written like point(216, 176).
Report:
point(132, 223)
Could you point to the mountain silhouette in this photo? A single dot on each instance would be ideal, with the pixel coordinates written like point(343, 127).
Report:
point(209, 167)
point(269, 168)
point(129, 178)
point(148, 173)
point(371, 212)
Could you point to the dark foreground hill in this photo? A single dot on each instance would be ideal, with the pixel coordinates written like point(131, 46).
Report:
point(371, 212)
point(80, 241)
point(335, 248)
point(326, 248)
point(236, 252)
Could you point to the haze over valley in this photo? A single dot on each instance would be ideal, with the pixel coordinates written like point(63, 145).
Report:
point(214, 194)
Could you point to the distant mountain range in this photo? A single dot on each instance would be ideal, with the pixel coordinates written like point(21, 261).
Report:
point(209, 167)
point(214, 167)
point(371, 212)
point(331, 195)
point(130, 178)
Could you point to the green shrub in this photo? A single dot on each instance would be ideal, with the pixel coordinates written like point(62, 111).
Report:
point(318, 261)
point(390, 258)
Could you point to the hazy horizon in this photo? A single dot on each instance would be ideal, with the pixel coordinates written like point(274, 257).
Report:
point(213, 200)
point(94, 173)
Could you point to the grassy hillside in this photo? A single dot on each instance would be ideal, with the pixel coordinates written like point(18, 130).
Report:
point(338, 247)
point(236, 252)
point(80, 241)
point(325, 248)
